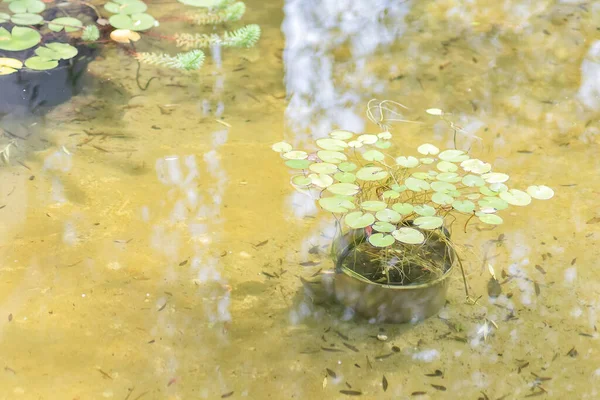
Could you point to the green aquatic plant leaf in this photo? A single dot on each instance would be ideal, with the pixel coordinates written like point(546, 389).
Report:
point(373, 155)
point(9, 65)
point(403, 208)
point(398, 188)
point(486, 191)
point(498, 187)
point(388, 215)
point(451, 177)
point(40, 63)
point(341, 134)
point(408, 236)
point(516, 197)
point(4, 17)
point(495, 177)
point(331, 144)
point(424, 210)
point(491, 219)
point(125, 6)
point(442, 187)
point(333, 157)
point(56, 51)
point(493, 202)
point(464, 206)
point(26, 6)
point(416, 185)
point(371, 174)
point(323, 168)
point(381, 240)
point(476, 166)
point(384, 227)
point(202, 3)
point(373, 205)
point(295, 155)
point(407, 162)
point(20, 38)
point(383, 144)
point(446, 166)
point(133, 22)
point(301, 180)
point(390, 194)
point(347, 166)
point(90, 33)
point(69, 24)
point(298, 164)
point(442, 198)
point(358, 219)
point(367, 139)
point(345, 177)
point(427, 149)
point(426, 160)
point(336, 204)
point(26, 19)
point(282, 147)
point(453, 156)
point(384, 135)
point(429, 222)
point(422, 175)
point(540, 192)
point(321, 180)
point(346, 189)
point(472, 181)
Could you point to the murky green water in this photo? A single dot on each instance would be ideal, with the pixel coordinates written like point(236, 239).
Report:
point(150, 244)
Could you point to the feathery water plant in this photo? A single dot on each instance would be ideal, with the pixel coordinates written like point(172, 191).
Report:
point(245, 37)
point(231, 13)
point(188, 61)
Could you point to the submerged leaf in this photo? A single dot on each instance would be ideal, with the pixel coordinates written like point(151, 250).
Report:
point(408, 236)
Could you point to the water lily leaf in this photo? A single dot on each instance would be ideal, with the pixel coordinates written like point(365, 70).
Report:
point(381, 240)
point(495, 177)
point(4, 17)
point(541, 192)
point(134, 22)
point(454, 193)
point(26, 6)
point(426, 160)
point(336, 204)
point(26, 19)
point(347, 166)
point(385, 227)
point(334, 157)
point(446, 166)
point(434, 111)
point(295, 155)
point(367, 139)
point(472, 180)
point(40, 63)
point(358, 219)
point(331, 144)
point(355, 144)
point(321, 180)
point(486, 191)
point(476, 166)
point(398, 188)
point(473, 196)
point(427, 149)
point(125, 6)
point(407, 162)
point(371, 174)
point(424, 210)
point(345, 177)
point(383, 144)
point(491, 219)
point(282, 147)
point(498, 187)
point(58, 24)
point(373, 205)
point(21, 38)
point(373, 155)
point(408, 236)
point(416, 185)
point(301, 180)
point(56, 51)
point(404, 208)
point(493, 202)
point(323, 168)
point(421, 175)
point(9, 65)
point(298, 164)
point(451, 177)
point(453, 155)
point(390, 194)
point(341, 134)
point(388, 215)
point(464, 206)
point(429, 222)
point(346, 189)
point(442, 198)
point(516, 197)
point(384, 135)
point(442, 187)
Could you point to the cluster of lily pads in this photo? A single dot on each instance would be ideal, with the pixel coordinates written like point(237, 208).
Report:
point(128, 18)
point(353, 175)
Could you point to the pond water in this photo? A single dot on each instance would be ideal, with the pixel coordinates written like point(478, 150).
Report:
point(151, 245)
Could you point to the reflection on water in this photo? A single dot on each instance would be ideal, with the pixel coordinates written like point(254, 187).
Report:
point(150, 246)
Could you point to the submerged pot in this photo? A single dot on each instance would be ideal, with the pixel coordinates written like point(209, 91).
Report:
point(392, 303)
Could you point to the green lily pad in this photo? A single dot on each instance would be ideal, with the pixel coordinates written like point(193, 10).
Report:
point(442, 198)
point(422, 175)
point(408, 236)
point(516, 197)
point(371, 174)
point(473, 180)
point(341, 134)
point(429, 222)
point(446, 166)
point(491, 219)
point(334, 157)
point(347, 166)
point(336, 204)
point(301, 180)
point(202, 3)
point(56, 51)
point(403, 208)
point(398, 188)
point(40, 63)
point(373, 155)
point(355, 144)
point(58, 24)
point(358, 219)
point(331, 144)
point(442, 187)
point(476, 166)
point(367, 139)
point(464, 206)
point(427, 149)
point(134, 22)
point(346, 189)
point(424, 210)
point(388, 215)
point(493, 202)
point(321, 180)
point(384, 135)
point(26, 19)
point(390, 194)
point(9, 65)
point(125, 6)
point(21, 38)
point(495, 177)
point(282, 147)
point(486, 191)
point(384, 227)
point(26, 6)
point(416, 185)
point(426, 160)
point(373, 205)
point(473, 196)
point(345, 177)
point(407, 162)
point(4, 17)
point(383, 144)
point(381, 240)
point(451, 177)
point(498, 187)
point(540, 192)
point(323, 168)
point(295, 155)
point(453, 155)
point(298, 164)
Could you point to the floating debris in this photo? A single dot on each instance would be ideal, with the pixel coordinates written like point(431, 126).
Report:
point(436, 373)
point(331, 373)
point(439, 387)
point(384, 383)
point(382, 337)
point(348, 345)
point(351, 392)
